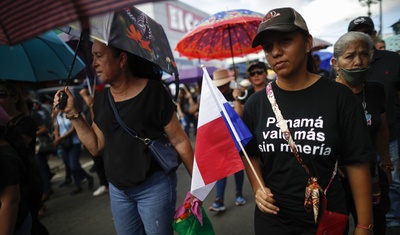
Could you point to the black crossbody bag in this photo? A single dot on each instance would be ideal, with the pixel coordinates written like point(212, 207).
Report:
point(161, 149)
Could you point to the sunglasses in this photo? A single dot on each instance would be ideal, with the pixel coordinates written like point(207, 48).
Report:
point(254, 72)
point(3, 94)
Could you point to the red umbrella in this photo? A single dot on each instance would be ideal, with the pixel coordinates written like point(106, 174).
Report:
point(222, 35)
point(22, 20)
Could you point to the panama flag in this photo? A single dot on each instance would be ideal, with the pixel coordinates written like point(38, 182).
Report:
point(221, 134)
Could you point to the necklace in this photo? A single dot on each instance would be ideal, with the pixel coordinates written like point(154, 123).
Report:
point(368, 117)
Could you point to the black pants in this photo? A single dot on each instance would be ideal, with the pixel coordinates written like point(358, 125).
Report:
point(100, 170)
point(267, 224)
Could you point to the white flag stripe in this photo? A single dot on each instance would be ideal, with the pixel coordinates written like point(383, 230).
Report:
point(207, 105)
point(197, 179)
point(217, 94)
point(201, 193)
point(198, 188)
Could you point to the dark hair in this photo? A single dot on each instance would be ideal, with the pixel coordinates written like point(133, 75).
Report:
point(311, 67)
point(14, 91)
point(139, 66)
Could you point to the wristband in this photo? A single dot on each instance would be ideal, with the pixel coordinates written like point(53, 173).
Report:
point(74, 116)
point(370, 227)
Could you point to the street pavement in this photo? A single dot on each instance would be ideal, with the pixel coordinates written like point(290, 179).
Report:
point(86, 214)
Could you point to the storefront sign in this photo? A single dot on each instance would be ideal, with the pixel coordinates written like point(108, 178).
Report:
point(181, 20)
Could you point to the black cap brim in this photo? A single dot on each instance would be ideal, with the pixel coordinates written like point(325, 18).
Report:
point(278, 28)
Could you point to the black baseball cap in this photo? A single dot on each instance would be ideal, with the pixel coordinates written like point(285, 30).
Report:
point(361, 20)
point(280, 19)
point(258, 64)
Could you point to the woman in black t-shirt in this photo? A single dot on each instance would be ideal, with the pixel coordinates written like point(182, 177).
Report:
point(352, 56)
point(142, 196)
point(326, 124)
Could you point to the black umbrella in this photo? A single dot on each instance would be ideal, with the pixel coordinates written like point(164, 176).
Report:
point(130, 30)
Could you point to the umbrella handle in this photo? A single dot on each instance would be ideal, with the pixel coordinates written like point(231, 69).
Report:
point(74, 59)
point(243, 96)
point(63, 100)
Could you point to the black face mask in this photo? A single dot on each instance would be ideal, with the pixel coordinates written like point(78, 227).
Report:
point(356, 76)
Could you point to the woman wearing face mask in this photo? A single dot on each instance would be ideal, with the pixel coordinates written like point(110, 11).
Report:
point(352, 55)
point(325, 122)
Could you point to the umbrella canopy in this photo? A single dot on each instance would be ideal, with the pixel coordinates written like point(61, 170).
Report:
point(43, 58)
point(393, 43)
point(223, 35)
point(133, 31)
point(21, 19)
point(319, 44)
point(325, 57)
point(191, 75)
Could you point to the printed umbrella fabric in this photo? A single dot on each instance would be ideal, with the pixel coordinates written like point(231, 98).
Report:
point(393, 43)
point(133, 31)
point(43, 58)
point(21, 20)
point(222, 35)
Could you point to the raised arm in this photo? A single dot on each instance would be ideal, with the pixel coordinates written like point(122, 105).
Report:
point(90, 136)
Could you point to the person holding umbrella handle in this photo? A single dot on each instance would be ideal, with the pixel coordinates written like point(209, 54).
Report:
point(145, 106)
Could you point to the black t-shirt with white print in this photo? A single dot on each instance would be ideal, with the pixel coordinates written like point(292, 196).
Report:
point(326, 122)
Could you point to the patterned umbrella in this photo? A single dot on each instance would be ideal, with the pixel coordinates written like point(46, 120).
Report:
point(21, 19)
point(223, 35)
point(133, 31)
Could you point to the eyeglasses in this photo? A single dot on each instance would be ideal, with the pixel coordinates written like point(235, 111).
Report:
point(254, 72)
point(3, 94)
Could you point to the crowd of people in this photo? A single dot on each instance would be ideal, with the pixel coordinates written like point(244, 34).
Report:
point(33, 131)
point(318, 136)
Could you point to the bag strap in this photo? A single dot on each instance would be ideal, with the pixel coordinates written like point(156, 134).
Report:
point(121, 123)
point(288, 136)
point(284, 127)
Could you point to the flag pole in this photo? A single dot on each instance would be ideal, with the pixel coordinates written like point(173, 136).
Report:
point(234, 131)
point(251, 166)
